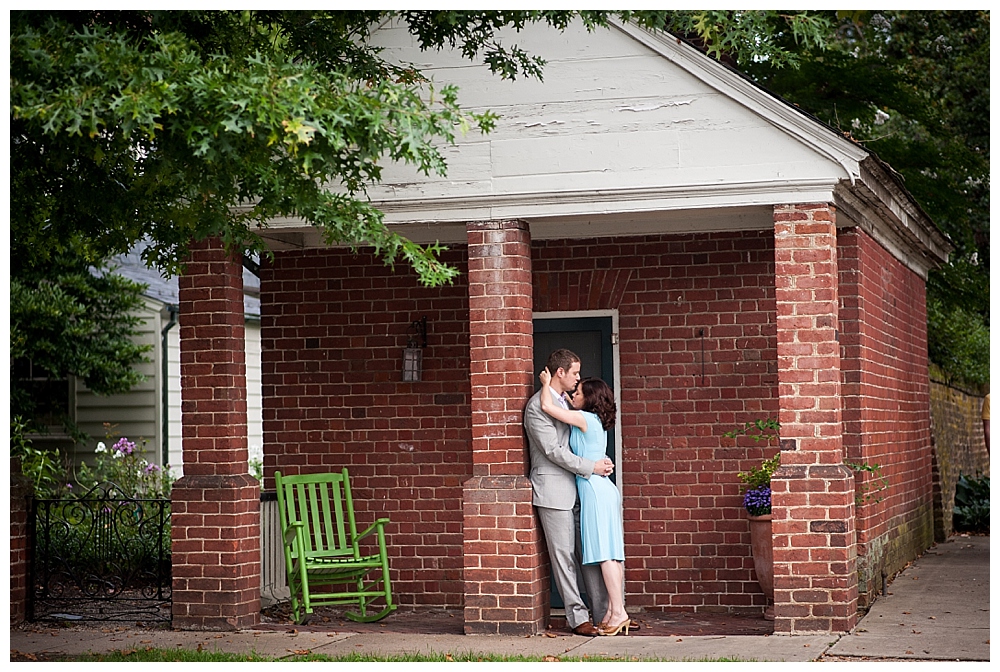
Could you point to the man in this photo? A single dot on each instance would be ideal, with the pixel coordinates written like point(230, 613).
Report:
point(554, 468)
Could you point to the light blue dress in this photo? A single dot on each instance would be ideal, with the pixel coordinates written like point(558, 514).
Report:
point(600, 501)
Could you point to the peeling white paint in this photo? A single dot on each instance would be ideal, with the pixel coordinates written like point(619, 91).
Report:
point(544, 123)
point(650, 107)
point(406, 447)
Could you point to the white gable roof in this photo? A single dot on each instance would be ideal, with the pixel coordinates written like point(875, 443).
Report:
point(615, 127)
point(629, 132)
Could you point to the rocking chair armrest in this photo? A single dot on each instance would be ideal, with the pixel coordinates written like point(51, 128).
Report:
point(378, 524)
point(292, 533)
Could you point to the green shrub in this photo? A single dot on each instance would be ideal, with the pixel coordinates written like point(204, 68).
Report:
point(45, 467)
point(106, 542)
point(972, 504)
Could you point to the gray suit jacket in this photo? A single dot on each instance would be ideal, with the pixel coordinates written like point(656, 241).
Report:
point(553, 465)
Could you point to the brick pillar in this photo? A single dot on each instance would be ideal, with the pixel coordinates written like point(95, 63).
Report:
point(216, 504)
point(21, 493)
point(504, 572)
point(815, 556)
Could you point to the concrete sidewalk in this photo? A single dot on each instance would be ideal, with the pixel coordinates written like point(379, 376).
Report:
point(937, 609)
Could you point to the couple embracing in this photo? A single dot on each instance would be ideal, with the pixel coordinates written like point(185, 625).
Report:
point(579, 508)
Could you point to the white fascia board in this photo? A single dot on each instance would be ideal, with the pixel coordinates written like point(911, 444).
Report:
point(600, 201)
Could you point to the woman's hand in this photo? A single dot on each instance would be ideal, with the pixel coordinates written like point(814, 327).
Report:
point(545, 377)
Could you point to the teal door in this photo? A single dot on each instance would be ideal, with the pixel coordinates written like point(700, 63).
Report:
point(590, 339)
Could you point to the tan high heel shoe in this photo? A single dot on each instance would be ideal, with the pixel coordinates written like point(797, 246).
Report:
point(609, 631)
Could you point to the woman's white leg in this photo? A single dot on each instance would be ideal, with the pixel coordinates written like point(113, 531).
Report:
point(613, 572)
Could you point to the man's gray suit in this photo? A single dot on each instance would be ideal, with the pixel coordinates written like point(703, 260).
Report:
point(553, 483)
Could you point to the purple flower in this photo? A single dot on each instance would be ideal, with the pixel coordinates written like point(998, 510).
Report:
point(152, 469)
point(124, 446)
point(757, 502)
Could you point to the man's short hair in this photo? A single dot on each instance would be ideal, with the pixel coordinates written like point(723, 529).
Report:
point(561, 358)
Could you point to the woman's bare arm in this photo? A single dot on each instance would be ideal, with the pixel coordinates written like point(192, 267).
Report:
point(574, 418)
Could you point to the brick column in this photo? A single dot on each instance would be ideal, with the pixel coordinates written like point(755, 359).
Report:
point(815, 556)
point(216, 504)
point(21, 493)
point(505, 582)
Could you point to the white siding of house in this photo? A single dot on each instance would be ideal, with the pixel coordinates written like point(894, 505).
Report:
point(174, 400)
point(255, 413)
point(134, 414)
point(255, 424)
point(614, 127)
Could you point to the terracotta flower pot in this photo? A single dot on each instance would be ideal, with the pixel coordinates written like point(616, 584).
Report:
point(763, 558)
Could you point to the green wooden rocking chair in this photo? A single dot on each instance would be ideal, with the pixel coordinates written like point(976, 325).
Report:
point(323, 558)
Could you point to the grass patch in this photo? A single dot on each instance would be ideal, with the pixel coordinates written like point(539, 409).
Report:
point(153, 655)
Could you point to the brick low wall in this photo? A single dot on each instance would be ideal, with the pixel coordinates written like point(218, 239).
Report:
point(958, 447)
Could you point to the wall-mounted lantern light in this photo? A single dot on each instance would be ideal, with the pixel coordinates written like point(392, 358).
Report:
point(413, 353)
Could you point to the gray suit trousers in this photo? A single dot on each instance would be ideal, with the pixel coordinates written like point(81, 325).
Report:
point(564, 555)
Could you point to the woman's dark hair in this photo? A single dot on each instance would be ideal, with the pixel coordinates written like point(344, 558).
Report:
point(599, 400)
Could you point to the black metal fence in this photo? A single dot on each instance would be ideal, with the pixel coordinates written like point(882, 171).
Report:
point(103, 556)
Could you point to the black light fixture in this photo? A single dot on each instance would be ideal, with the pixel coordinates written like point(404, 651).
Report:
point(413, 353)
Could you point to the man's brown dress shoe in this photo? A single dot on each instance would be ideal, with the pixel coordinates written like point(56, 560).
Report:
point(586, 630)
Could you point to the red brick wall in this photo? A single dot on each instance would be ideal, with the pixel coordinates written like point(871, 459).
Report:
point(333, 329)
point(334, 325)
point(886, 403)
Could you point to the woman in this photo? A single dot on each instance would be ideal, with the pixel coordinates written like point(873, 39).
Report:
point(592, 414)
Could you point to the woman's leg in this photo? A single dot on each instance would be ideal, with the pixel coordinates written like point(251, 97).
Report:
point(614, 578)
